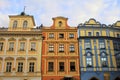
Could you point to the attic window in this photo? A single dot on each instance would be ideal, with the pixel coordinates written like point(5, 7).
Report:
point(60, 23)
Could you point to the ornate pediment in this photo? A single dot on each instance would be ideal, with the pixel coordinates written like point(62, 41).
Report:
point(33, 39)
point(12, 39)
point(2, 39)
point(117, 24)
point(22, 39)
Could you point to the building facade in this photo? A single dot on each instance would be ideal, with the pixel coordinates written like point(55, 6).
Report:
point(60, 59)
point(99, 50)
point(20, 49)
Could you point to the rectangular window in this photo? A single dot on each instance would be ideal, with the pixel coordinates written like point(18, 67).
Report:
point(61, 66)
point(89, 33)
point(50, 66)
point(101, 44)
point(118, 35)
point(31, 66)
point(104, 61)
point(9, 67)
point(61, 35)
point(51, 48)
point(72, 48)
point(97, 34)
point(22, 46)
point(118, 62)
point(72, 66)
point(33, 45)
point(115, 46)
point(11, 46)
point(89, 62)
point(71, 35)
point(1, 46)
point(61, 48)
point(51, 35)
point(87, 44)
point(20, 67)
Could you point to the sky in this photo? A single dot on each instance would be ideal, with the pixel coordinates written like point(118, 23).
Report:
point(77, 11)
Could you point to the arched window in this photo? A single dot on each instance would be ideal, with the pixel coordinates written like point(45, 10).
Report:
point(14, 24)
point(25, 24)
point(118, 78)
point(93, 78)
point(104, 62)
point(60, 23)
point(89, 59)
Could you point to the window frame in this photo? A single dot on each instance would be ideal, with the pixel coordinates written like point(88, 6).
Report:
point(50, 66)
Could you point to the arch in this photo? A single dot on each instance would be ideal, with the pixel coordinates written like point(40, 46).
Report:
point(15, 24)
point(11, 39)
point(94, 78)
point(60, 23)
point(117, 78)
point(25, 24)
point(32, 58)
point(9, 58)
point(20, 58)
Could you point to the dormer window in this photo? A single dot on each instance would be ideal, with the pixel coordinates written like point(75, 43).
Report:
point(25, 24)
point(60, 23)
point(14, 24)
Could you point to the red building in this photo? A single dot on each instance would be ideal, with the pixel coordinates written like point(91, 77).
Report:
point(60, 59)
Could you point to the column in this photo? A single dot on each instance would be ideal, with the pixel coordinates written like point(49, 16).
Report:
point(6, 46)
point(16, 49)
point(3, 62)
point(26, 66)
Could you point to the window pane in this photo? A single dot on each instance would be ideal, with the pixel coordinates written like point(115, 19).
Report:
point(8, 66)
point(50, 66)
point(72, 66)
point(25, 24)
point(33, 46)
point(22, 45)
point(11, 46)
point(1, 46)
point(61, 66)
point(31, 67)
point(20, 66)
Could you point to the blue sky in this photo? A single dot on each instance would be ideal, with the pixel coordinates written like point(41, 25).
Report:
point(77, 11)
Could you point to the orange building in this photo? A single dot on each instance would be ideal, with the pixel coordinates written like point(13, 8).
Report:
point(60, 58)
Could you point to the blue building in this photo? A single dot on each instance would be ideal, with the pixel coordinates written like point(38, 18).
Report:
point(99, 50)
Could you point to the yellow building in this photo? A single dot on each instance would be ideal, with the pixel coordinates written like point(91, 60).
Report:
point(60, 58)
point(20, 49)
point(99, 49)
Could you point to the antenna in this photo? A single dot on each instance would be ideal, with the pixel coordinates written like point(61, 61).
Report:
point(24, 9)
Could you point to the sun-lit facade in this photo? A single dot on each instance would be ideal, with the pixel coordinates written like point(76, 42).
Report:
point(99, 49)
point(20, 49)
point(60, 58)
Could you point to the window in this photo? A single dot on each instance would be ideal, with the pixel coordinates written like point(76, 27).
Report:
point(14, 24)
point(33, 45)
point(115, 46)
point(11, 46)
point(72, 66)
point(89, 59)
point(89, 34)
point(61, 48)
point(101, 44)
point(9, 67)
point(61, 66)
point(20, 67)
point(31, 66)
point(71, 35)
point(60, 23)
point(97, 34)
point(87, 44)
point(103, 59)
point(72, 48)
point(61, 35)
point(1, 46)
point(25, 24)
point(118, 60)
point(22, 46)
point(51, 48)
point(117, 35)
point(51, 35)
point(50, 66)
